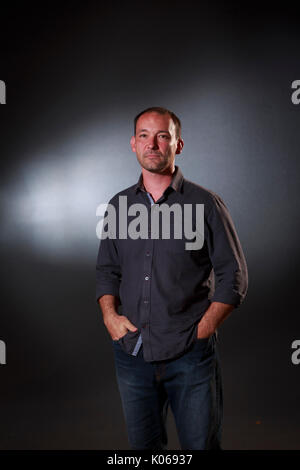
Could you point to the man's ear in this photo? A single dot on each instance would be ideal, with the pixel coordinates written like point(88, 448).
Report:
point(180, 145)
point(132, 143)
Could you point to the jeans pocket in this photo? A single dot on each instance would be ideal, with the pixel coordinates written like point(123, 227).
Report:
point(201, 349)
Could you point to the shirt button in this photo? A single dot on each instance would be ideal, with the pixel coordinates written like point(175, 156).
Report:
point(147, 253)
point(146, 301)
point(146, 278)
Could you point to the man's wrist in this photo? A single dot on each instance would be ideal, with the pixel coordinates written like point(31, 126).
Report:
point(205, 329)
point(108, 315)
point(216, 313)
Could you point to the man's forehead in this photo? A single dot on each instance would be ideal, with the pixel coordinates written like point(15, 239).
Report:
point(153, 119)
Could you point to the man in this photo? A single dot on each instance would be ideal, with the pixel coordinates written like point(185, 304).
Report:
point(173, 299)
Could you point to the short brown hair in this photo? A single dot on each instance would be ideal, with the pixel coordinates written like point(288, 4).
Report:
point(160, 110)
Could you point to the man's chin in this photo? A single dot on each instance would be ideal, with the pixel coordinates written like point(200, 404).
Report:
point(154, 165)
point(153, 168)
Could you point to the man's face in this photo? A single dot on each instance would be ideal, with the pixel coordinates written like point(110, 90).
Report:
point(155, 142)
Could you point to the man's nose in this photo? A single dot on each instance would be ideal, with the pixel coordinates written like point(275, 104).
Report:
point(152, 142)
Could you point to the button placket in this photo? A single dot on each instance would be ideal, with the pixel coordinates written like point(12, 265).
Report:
point(147, 271)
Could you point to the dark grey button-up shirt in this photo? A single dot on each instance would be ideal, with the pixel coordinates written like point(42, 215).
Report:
point(164, 289)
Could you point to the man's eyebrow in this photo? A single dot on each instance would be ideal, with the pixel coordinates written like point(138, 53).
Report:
point(143, 130)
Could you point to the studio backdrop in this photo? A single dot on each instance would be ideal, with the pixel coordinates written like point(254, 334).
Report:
point(73, 77)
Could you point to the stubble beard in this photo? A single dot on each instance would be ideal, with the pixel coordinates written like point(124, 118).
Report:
point(155, 165)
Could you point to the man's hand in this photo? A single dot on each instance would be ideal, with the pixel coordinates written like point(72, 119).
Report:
point(118, 325)
point(213, 317)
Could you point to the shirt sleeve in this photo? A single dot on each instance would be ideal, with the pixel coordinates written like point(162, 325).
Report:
point(108, 269)
point(226, 254)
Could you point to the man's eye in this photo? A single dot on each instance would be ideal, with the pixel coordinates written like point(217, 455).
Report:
point(164, 136)
point(142, 135)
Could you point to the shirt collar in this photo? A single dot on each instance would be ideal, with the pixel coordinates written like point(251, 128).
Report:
point(176, 182)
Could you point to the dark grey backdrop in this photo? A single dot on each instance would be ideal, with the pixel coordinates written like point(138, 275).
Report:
point(76, 75)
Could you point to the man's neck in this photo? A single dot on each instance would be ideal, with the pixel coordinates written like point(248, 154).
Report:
point(156, 183)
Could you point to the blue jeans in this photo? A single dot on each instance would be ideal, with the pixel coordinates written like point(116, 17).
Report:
point(191, 384)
